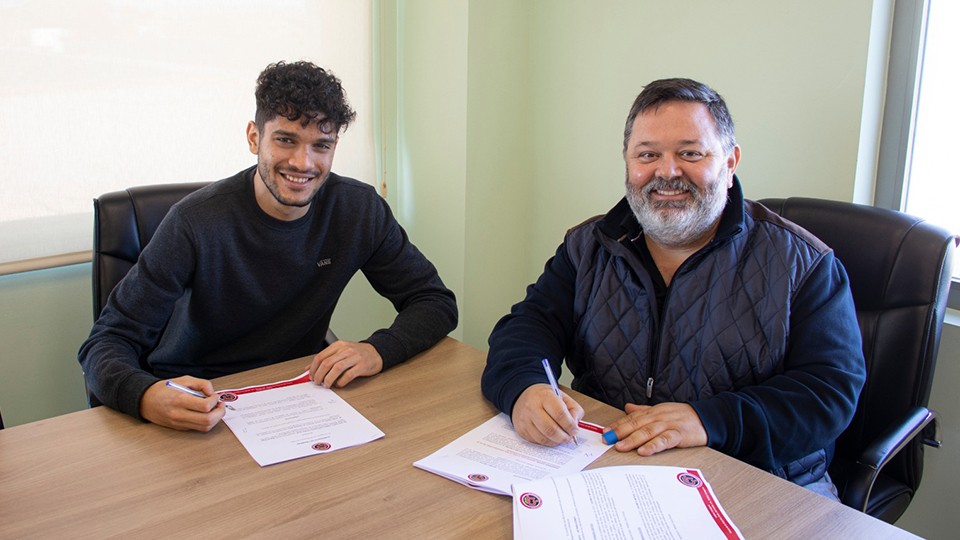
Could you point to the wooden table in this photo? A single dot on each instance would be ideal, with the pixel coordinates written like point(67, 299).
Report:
point(98, 473)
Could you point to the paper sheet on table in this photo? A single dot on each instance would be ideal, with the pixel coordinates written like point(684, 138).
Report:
point(633, 501)
point(492, 456)
point(292, 419)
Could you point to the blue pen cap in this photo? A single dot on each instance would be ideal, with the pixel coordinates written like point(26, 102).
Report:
point(610, 437)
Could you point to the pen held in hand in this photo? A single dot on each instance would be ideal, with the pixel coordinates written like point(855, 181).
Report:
point(556, 389)
point(186, 390)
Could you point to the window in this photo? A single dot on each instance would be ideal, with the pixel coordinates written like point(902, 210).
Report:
point(921, 118)
point(932, 187)
point(102, 95)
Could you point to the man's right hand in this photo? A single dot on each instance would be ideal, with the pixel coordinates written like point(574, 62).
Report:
point(172, 408)
point(541, 417)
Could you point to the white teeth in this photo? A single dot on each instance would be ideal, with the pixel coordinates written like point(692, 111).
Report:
point(678, 192)
point(296, 180)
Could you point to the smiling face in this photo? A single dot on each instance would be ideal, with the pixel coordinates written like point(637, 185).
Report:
point(293, 161)
point(678, 173)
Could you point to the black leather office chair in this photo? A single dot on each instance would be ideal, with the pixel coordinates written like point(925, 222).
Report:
point(123, 223)
point(900, 269)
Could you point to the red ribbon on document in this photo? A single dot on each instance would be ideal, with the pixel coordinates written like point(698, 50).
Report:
point(718, 517)
point(251, 389)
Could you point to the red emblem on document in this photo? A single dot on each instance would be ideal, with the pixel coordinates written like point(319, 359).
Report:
point(689, 480)
point(228, 396)
point(321, 446)
point(477, 477)
point(531, 500)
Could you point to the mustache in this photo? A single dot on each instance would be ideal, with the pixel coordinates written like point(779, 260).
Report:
point(677, 183)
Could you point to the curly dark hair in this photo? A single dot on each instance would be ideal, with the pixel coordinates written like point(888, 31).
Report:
point(302, 90)
point(664, 90)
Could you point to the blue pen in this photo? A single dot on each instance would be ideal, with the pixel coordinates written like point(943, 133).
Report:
point(556, 389)
point(186, 390)
point(609, 437)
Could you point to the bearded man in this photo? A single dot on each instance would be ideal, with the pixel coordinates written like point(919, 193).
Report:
point(707, 318)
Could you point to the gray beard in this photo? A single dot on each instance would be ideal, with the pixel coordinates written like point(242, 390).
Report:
point(677, 224)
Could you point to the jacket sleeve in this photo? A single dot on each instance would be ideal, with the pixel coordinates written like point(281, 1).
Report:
point(807, 405)
point(426, 308)
point(538, 327)
point(130, 325)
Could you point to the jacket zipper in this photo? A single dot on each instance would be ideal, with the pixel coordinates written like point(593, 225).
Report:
point(666, 301)
point(656, 350)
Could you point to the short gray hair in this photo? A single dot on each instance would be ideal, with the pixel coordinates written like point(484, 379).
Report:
point(661, 91)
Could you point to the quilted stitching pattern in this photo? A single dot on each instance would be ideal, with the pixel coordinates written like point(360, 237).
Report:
point(727, 322)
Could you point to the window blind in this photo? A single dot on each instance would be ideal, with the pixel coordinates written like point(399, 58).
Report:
point(98, 96)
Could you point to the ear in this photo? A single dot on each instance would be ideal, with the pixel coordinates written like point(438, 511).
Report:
point(732, 161)
point(253, 137)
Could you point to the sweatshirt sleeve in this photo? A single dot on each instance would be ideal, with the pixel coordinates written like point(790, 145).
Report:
point(426, 308)
point(130, 325)
point(538, 327)
point(808, 404)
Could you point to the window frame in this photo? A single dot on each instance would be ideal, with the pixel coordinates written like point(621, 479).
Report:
point(904, 72)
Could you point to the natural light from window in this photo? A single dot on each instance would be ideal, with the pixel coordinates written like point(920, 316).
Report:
point(933, 184)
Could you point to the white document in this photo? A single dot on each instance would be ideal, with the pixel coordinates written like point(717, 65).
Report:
point(628, 502)
point(492, 457)
point(292, 419)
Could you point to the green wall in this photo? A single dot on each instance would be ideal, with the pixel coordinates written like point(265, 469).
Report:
point(500, 171)
point(505, 125)
point(44, 316)
point(429, 168)
point(792, 73)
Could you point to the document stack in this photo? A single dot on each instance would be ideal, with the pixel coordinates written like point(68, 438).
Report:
point(649, 502)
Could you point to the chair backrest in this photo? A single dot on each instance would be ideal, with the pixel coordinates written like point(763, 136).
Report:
point(123, 223)
point(900, 269)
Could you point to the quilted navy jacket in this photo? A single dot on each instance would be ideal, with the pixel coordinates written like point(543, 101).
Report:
point(758, 333)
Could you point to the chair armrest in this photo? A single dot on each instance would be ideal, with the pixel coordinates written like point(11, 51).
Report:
point(330, 337)
point(882, 450)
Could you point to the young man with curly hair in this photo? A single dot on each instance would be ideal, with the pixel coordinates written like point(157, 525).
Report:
point(246, 272)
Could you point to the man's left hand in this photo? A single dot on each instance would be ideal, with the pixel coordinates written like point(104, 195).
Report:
point(653, 429)
point(344, 361)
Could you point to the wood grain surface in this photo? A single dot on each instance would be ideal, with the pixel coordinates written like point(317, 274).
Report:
point(98, 473)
